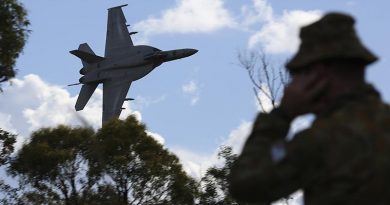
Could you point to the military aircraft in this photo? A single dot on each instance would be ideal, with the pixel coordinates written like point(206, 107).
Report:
point(123, 63)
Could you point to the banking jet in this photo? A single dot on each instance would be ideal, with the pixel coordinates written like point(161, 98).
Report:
point(123, 63)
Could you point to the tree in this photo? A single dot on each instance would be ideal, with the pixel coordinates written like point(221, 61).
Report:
point(136, 169)
point(214, 185)
point(267, 79)
point(7, 141)
point(13, 34)
point(120, 164)
point(52, 169)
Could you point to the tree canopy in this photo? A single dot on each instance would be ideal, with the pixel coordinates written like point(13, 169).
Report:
point(137, 167)
point(52, 168)
point(13, 35)
point(120, 164)
point(214, 185)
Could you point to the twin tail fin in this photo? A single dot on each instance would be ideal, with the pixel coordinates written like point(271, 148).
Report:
point(87, 56)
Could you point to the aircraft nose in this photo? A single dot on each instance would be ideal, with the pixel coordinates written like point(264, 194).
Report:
point(191, 51)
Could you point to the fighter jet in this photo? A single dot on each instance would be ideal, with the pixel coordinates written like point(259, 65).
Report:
point(123, 63)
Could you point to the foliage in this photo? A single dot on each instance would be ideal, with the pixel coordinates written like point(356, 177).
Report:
point(51, 166)
point(215, 184)
point(7, 141)
point(13, 34)
point(267, 79)
point(120, 164)
point(137, 168)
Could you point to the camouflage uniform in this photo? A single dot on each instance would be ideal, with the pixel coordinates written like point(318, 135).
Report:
point(343, 158)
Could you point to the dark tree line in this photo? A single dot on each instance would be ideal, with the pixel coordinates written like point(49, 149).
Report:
point(119, 164)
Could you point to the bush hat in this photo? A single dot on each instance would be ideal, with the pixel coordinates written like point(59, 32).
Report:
point(331, 37)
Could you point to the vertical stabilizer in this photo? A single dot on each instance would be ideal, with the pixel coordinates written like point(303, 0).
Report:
point(85, 94)
point(85, 48)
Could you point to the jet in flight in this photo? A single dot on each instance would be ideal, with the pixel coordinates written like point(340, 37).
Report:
point(123, 63)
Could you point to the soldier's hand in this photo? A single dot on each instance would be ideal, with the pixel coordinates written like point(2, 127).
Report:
point(303, 94)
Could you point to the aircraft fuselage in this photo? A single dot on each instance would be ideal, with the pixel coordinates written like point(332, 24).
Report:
point(135, 63)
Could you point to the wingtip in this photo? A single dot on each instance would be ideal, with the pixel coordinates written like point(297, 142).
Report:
point(78, 108)
point(117, 6)
point(72, 51)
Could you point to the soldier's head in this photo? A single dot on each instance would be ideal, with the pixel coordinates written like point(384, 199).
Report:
point(332, 38)
point(331, 49)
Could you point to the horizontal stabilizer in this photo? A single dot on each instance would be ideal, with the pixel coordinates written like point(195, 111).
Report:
point(74, 84)
point(85, 93)
point(86, 56)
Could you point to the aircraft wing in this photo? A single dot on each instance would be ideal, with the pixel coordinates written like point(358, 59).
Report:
point(114, 94)
point(118, 37)
point(85, 94)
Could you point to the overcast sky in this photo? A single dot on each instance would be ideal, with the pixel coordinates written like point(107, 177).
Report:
point(192, 105)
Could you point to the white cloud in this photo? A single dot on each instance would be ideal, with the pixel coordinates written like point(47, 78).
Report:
point(30, 103)
point(238, 136)
point(295, 198)
point(263, 101)
point(156, 136)
point(278, 34)
point(261, 11)
point(192, 89)
point(189, 16)
point(195, 164)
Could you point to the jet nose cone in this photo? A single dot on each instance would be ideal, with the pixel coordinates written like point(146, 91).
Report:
point(191, 51)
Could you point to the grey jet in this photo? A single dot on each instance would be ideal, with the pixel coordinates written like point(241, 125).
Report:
point(123, 63)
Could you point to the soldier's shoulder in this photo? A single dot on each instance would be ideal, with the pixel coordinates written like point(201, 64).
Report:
point(357, 119)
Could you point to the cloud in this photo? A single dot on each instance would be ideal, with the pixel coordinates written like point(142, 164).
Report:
point(238, 136)
point(196, 164)
point(295, 198)
point(192, 89)
point(156, 136)
point(189, 16)
point(30, 103)
point(278, 33)
point(259, 12)
point(263, 101)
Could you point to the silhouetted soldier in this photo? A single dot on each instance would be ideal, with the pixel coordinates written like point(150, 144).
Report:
point(344, 157)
